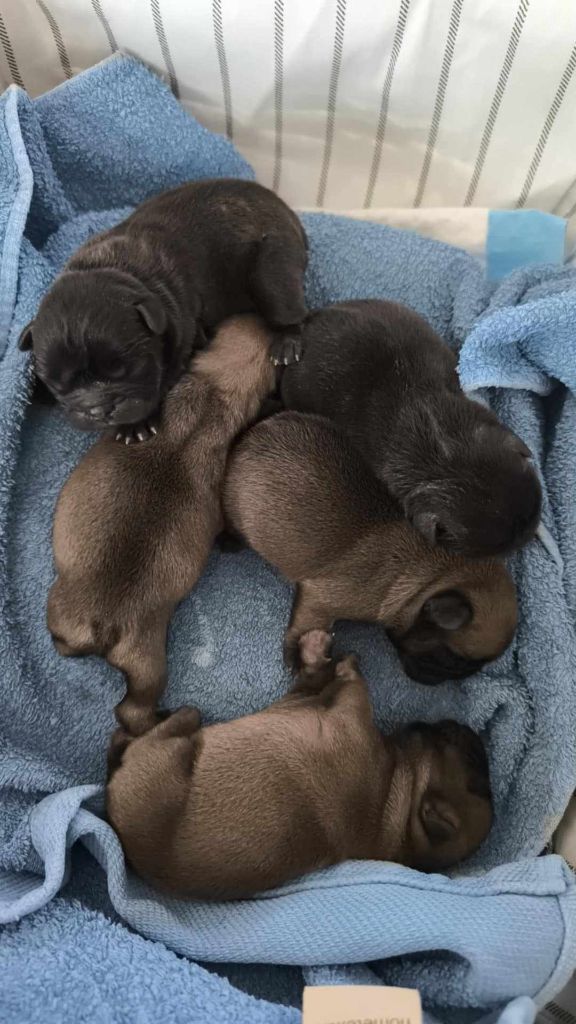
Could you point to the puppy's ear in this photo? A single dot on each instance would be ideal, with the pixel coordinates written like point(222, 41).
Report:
point(25, 339)
point(450, 610)
point(153, 314)
point(439, 819)
point(428, 525)
point(423, 509)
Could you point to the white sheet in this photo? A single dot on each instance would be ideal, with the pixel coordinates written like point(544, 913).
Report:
point(346, 104)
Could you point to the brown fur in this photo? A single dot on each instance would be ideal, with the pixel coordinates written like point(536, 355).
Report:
point(233, 809)
point(134, 525)
point(301, 496)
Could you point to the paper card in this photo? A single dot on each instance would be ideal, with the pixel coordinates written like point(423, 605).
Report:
point(360, 1004)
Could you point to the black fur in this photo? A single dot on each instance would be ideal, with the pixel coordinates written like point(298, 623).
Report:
point(117, 328)
point(381, 372)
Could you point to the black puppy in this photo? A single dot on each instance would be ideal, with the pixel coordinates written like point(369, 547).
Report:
point(116, 330)
point(381, 372)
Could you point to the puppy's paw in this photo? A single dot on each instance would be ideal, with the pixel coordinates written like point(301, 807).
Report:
point(136, 433)
point(135, 719)
point(314, 648)
point(286, 348)
point(347, 668)
point(64, 649)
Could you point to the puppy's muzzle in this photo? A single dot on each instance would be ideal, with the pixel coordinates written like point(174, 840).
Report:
point(435, 668)
point(99, 409)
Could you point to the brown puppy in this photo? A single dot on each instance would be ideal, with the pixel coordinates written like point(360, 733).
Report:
point(134, 525)
point(233, 809)
point(299, 493)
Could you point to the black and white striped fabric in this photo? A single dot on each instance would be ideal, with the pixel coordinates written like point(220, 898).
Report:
point(346, 104)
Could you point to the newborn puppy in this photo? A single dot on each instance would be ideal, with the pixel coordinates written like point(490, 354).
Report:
point(230, 810)
point(378, 370)
point(298, 492)
point(134, 525)
point(117, 329)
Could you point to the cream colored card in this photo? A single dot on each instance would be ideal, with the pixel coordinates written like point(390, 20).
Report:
point(361, 1004)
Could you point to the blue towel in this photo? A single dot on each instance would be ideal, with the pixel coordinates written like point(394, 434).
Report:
point(117, 976)
point(73, 162)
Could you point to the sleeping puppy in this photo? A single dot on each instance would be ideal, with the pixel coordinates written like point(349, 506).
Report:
point(134, 525)
point(298, 492)
point(229, 810)
point(117, 329)
point(378, 370)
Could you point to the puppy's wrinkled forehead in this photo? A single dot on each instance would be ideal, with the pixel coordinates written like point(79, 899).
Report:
point(90, 342)
point(88, 328)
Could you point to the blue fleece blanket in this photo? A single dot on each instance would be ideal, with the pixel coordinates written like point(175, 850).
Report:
point(73, 162)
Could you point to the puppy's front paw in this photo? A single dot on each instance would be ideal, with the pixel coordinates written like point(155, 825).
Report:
point(314, 647)
point(286, 348)
point(135, 434)
point(347, 668)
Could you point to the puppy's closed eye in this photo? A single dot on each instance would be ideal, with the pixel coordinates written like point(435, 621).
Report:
point(116, 372)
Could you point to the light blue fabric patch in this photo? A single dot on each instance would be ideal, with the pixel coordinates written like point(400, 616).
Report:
point(518, 238)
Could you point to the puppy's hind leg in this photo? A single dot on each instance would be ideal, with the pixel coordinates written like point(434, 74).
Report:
point(331, 684)
point(183, 722)
point(352, 692)
point(142, 659)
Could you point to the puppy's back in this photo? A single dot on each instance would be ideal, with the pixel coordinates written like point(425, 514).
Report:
point(243, 805)
point(296, 483)
point(119, 493)
point(363, 347)
point(131, 517)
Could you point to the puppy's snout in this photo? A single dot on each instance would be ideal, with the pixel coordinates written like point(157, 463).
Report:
point(96, 405)
point(470, 748)
point(431, 669)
